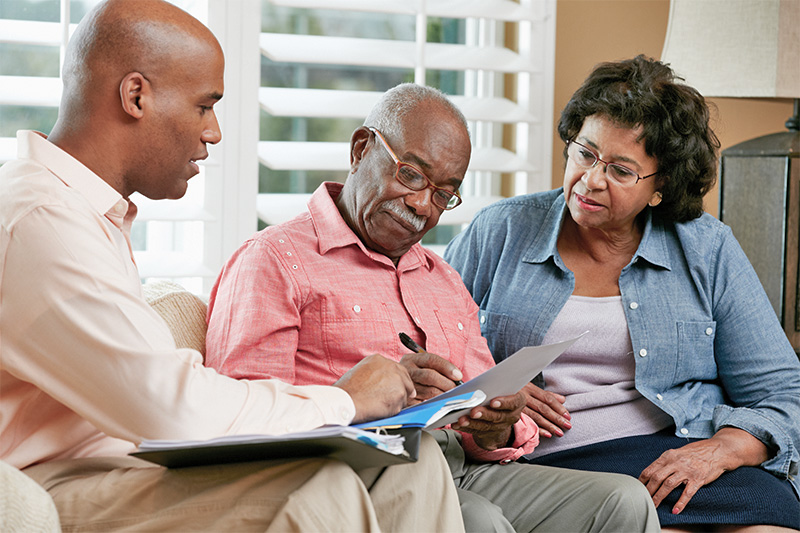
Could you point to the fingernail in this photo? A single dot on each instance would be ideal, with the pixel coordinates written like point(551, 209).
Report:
point(559, 433)
point(478, 415)
point(567, 424)
point(457, 375)
point(495, 404)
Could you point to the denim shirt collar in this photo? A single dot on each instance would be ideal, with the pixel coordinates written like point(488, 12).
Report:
point(652, 248)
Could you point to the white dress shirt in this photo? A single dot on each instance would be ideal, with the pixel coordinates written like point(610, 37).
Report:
point(87, 368)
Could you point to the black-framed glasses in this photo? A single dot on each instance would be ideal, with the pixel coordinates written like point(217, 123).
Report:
point(416, 180)
point(585, 157)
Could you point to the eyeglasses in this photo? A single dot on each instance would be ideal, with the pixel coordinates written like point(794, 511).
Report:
point(414, 179)
point(585, 157)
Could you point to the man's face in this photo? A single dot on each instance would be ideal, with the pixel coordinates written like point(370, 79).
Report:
point(182, 124)
point(389, 217)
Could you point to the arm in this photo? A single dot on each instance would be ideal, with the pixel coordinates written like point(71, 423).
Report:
point(74, 324)
point(498, 431)
point(254, 316)
point(760, 375)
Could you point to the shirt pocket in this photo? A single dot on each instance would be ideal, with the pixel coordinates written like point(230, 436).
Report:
point(696, 360)
point(455, 332)
point(352, 329)
point(493, 329)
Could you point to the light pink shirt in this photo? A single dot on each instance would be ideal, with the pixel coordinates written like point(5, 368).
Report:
point(87, 368)
point(305, 301)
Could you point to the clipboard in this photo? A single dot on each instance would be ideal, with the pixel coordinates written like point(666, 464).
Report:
point(335, 442)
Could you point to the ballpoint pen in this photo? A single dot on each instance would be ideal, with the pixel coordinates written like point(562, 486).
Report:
point(409, 343)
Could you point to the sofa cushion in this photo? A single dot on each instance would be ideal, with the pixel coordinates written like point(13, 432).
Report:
point(183, 311)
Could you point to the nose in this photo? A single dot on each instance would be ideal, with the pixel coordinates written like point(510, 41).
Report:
point(421, 202)
point(595, 177)
point(212, 134)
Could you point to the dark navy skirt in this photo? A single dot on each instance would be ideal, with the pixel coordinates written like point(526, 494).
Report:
point(747, 495)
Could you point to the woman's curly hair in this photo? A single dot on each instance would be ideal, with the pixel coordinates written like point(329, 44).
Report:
point(674, 119)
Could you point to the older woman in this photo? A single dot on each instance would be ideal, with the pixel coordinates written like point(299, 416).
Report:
point(685, 378)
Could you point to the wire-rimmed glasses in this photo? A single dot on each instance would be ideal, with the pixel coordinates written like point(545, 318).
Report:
point(585, 157)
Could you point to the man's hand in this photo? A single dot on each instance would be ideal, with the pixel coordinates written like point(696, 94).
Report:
point(699, 463)
point(491, 425)
point(378, 386)
point(547, 410)
point(431, 374)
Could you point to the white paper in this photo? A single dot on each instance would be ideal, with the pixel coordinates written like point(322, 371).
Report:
point(508, 376)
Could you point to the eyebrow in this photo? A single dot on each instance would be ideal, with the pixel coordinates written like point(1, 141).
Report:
point(615, 159)
point(214, 96)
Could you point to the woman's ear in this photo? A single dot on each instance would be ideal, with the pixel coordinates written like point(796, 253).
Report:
point(358, 146)
point(655, 199)
point(133, 89)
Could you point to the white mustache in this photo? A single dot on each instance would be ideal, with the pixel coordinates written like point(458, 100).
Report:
point(397, 207)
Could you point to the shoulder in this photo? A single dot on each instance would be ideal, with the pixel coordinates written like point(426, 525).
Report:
point(518, 217)
point(520, 206)
point(26, 185)
point(704, 235)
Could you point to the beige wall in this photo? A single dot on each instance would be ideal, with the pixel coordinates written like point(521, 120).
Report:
point(591, 31)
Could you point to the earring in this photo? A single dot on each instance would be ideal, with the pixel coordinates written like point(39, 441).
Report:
point(655, 201)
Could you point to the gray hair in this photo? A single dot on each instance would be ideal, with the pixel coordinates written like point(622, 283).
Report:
point(398, 101)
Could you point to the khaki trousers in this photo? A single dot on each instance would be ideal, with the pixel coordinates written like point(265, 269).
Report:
point(128, 494)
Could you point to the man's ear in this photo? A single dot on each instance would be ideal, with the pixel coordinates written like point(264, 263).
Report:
point(358, 146)
point(133, 89)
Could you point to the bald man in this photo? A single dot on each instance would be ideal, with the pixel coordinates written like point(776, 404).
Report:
point(88, 370)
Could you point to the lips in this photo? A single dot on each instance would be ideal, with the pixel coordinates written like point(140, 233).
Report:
point(587, 203)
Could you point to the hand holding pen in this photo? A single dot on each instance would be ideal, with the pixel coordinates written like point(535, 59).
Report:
point(436, 363)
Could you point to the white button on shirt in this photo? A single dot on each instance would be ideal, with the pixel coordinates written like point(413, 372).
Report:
point(634, 305)
point(643, 353)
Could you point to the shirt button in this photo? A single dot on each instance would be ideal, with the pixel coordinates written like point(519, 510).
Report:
point(634, 305)
point(357, 308)
point(483, 319)
point(659, 397)
point(288, 253)
point(709, 331)
point(294, 267)
point(684, 431)
point(460, 326)
point(505, 461)
point(281, 241)
point(643, 352)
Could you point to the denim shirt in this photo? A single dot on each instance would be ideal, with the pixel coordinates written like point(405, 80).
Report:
point(708, 347)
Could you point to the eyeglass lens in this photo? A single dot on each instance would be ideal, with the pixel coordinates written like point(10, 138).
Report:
point(411, 178)
point(586, 158)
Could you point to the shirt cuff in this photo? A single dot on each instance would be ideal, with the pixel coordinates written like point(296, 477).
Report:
point(526, 438)
point(335, 405)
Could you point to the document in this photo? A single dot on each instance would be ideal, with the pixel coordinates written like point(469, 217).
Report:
point(503, 379)
point(428, 414)
point(359, 448)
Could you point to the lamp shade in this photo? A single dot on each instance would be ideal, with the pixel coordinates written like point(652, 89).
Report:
point(736, 48)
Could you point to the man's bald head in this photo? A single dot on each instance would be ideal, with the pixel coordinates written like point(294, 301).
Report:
point(141, 79)
point(122, 36)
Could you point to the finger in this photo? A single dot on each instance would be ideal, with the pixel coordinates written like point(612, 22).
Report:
point(546, 428)
point(690, 490)
point(439, 364)
point(668, 485)
point(547, 418)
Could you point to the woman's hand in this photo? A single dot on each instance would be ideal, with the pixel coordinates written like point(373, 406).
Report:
point(547, 410)
point(699, 463)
